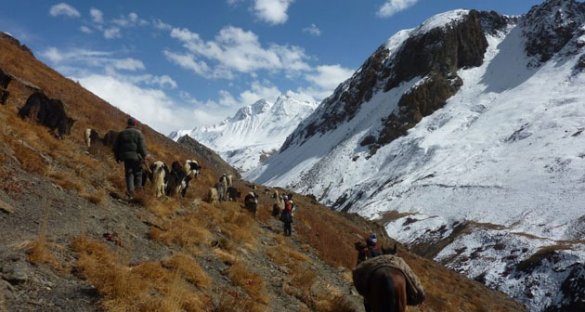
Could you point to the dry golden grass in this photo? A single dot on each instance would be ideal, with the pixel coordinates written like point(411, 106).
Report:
point(251, 282)
point(37, 251)
point(148, 286)
point(335, 304)
point(29, 160)
point(225, 257)
point(96, 198)
point(185, 231)
point(232, 301)
point(285, 255)
point(189, 268)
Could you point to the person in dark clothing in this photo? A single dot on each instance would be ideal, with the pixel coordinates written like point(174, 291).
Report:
point(129, 147)
point(366, 251)
point(286, 215)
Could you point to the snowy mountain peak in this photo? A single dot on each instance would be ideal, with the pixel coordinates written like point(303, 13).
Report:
point(441, 21)
point(254, 132)
point(259, 107)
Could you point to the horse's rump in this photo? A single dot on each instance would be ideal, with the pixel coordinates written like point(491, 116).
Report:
point(362, 273)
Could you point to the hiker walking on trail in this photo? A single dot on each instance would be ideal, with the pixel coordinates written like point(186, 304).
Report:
point(286, 216)
point(368, 249)
point(129, 147)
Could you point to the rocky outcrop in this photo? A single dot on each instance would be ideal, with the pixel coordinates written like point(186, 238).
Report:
point(550, 26)
point(435, 54)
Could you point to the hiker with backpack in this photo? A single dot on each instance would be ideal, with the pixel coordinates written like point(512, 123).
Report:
point(129, 147)
point(286, 216)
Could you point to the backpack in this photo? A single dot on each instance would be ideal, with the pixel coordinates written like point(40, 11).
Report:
point(288, 206)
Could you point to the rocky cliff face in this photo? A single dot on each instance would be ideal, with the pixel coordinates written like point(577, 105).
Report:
point(550, 26)
point(433, 53)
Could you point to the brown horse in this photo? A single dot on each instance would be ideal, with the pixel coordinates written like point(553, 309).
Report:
point(386, 291)
point(383, 287)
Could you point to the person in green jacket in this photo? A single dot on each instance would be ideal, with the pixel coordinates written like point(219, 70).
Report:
point(129, 147)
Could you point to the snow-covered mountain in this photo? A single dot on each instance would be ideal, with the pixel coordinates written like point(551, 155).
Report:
point(465, 136)
point(254, 133)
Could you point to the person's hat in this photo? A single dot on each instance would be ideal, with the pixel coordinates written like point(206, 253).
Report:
point(373, 238)
point(131, 121)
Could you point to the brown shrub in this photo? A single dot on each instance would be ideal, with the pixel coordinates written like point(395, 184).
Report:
point(188, 267)
point(185, 231)
point(148, 286)
point(231, 301)
point(29, 160)
point(251, 282)
point(95, 197)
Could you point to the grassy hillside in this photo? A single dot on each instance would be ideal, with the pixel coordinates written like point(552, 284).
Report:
point(70, 243)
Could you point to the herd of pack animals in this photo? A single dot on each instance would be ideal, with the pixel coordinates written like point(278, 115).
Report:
point(384, 285)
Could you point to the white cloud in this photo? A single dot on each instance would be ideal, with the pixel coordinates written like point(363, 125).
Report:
point(96, 15)
point(312, 30)
point(392, 7)
point(259, 91)
point(235, 50)
point(130, 20)
point(158, 24)
point(64, 9)
point(128, 64)
point(81, 58)
point(85, 29)
point(324, 80)
point(272, 11)
point(188, 62)
point(233, 2)
point(150, 106)
point(329, 76)
point(112, 33)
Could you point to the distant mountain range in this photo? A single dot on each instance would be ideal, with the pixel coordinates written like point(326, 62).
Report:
point(254, 133)
point(465, 136)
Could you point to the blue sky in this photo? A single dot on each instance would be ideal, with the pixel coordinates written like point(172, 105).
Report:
point(181, 64)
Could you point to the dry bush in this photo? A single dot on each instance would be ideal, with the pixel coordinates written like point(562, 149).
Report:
point(303, 278)
point(232, 301)
point(37, 251)
point(148, 286)
point(185, 231)
point(284, 254)
point(251, 282)
point(189, 268)
point(335, 304)
point(225, 257)
point(29, 160)
point(239, 225)
point(95, 197)
point(117, 181)
point(161, 207)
